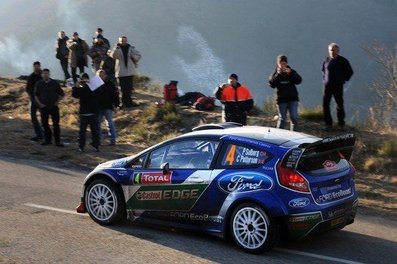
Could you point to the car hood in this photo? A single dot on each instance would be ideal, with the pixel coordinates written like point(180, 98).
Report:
point(117, 163)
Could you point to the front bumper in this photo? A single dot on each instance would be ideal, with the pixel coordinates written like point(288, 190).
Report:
point(335, 217)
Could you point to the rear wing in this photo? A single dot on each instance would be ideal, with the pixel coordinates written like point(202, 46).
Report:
point(343, 143)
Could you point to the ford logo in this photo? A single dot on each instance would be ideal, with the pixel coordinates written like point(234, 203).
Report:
point(245, 182)
point(299, 202)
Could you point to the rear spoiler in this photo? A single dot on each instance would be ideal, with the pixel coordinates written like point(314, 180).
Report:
point(343, 143)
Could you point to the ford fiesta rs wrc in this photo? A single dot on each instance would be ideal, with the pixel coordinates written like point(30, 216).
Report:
point(249, 183)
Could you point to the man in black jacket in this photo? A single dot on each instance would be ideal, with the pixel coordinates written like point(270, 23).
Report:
point(108, 100)
point(89, 106)
point(336, 71)
point(33, 107)
point(48, 93)
point(62, 53)
point(284, 79)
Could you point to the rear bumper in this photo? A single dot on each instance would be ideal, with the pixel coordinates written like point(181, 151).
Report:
point(334, 217)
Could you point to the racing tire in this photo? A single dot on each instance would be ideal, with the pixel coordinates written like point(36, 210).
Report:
point(104, 201)
point(252, 230)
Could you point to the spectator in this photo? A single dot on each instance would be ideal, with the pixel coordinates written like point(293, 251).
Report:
point(62, 53)
point(108, 100)
point(284, 80)
point(89, 107)
point(98, 53)
point(336, 71)
point(99, 34)
point(33, 106)
point(78, 51)
point(108, 66)
point(126, 60)
point(48, 93)
point(237, 100)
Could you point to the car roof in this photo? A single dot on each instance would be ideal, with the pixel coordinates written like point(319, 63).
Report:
point(265, 134)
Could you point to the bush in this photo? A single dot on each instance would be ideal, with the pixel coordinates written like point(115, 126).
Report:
point(388, 149)
point(312, 114)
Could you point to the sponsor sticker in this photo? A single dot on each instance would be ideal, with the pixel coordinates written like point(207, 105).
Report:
point(166, 197)
point(334, 195)
point(197, 217)
point(299, 202)
point(149, 195)
point(245, 182)
point(153, 177)
point(330, 165)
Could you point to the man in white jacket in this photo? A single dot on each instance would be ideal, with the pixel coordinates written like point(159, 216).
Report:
point(126, 61)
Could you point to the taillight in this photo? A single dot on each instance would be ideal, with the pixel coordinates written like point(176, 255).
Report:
point(291, 179)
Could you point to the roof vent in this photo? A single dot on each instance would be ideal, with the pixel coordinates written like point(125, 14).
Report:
point(217, 126)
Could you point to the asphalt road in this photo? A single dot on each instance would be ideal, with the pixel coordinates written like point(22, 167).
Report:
point(37, 225)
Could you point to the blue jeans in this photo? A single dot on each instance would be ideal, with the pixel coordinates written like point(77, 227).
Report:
point(292, 107)
point(33, 108)
point(108, 114)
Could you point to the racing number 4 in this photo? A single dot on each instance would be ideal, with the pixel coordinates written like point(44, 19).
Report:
point(231, 154)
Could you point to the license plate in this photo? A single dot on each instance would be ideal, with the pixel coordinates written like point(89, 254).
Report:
point(337, 221)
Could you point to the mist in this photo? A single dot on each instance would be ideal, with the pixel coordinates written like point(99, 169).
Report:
point(199, 43)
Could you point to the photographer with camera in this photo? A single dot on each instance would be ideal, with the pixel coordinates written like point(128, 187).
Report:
point(284, 80)
point(89, 108)
point(126, 61)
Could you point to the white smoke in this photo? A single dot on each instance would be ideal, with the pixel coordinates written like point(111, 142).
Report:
point(17, 56)
point(207, 70)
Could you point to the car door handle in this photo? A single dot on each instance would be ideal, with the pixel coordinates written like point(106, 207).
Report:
point(196, 180)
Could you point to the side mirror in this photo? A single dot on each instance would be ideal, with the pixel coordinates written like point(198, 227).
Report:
point(165, 167)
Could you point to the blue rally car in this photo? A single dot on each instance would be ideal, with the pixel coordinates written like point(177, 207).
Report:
point(249, 183)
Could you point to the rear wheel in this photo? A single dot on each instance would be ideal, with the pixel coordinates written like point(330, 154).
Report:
point(252, 230)
point(104, 202)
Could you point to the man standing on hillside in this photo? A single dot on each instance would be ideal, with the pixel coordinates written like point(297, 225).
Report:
point(33, 107)
point(99, 34)
point(237, 100)
point(62, 53)
point(126, 61)
point(285, 79)
point(108, 95)
point(48, 93)
point(78, 52)
point(336, 71)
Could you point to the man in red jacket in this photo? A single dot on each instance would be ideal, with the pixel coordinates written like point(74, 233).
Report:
point(237, 100)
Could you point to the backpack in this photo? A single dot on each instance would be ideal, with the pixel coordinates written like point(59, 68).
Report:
point(205, 103)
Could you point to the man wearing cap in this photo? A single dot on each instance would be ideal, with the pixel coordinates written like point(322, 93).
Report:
point(336, 71)
point(237, 100)
point(99, 35)
point(78, 51)
point(285, 79)
point(33, 107)
point(48, 93)
point(126, 61)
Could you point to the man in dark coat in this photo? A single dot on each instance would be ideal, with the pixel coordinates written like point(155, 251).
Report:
point(284, 80)
point(62, 53)
point(336, 71)
point(33, 107)
point(108, 101)
point(48, 93)
point(89, 106)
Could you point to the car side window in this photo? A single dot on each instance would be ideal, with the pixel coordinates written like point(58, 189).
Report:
point(185, 154)
point(236, 155)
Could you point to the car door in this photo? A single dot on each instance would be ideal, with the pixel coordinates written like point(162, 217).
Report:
point(172, 184)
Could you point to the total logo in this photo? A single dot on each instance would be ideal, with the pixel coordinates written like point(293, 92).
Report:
point(152, 178)
point(299, 202)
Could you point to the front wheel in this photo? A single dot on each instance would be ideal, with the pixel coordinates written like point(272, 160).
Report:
point(104, 202)
point(252, 230)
